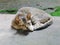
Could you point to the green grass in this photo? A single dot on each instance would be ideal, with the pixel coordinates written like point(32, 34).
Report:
point(56, 12)
point(14, 11)
point(10, 11)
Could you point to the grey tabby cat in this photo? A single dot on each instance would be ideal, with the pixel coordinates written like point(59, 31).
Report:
point(31, 18)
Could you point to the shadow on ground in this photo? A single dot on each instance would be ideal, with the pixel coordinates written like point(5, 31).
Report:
point(25, 33)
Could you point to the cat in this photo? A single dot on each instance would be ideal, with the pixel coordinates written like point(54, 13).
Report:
point(29, 18)
point(21, 23)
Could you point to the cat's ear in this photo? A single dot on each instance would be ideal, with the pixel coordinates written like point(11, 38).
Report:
point(28, 16)
point(17, 18)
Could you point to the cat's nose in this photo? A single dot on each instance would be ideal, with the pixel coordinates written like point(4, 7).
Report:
point(31, 27)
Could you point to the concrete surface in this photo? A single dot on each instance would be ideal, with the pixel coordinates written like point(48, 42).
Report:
point(7, 4)
point(48, 36)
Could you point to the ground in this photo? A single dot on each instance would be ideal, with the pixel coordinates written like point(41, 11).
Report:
point(48, 36)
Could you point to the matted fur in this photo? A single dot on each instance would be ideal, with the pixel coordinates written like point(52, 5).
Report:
point(31, 18)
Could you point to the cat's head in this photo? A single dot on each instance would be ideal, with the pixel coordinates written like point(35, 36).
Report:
point(26, 20)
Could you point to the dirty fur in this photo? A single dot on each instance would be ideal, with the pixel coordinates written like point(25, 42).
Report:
point(30, 18)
